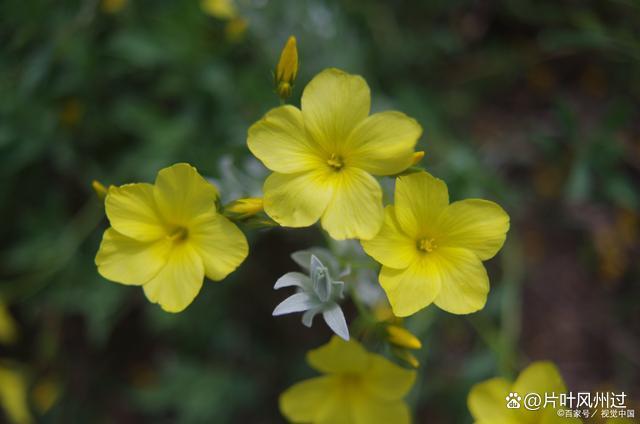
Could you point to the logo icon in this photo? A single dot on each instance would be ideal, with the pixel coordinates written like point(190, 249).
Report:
point(513, 401)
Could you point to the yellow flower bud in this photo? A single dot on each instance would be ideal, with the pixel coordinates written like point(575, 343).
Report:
point(244, 208)
point(402, 337)
point(221, 9)
point(235, 30)
point(100, 189)
point(287, 69)
point(8, 327)
point(417, 157)
point(45, 394)
point(112, 6)
point(407, 357)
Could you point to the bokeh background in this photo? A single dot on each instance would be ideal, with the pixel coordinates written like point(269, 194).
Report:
point(532, 104)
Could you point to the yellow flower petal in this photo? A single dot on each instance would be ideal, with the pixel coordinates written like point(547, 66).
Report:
point(540, 377)
point(463, 278)
point(355, 210)
point(132, 211)
point(339, 356)
point(419, 200)
point(178, 283)
point(297, 200)
point(386, 380)
point(13, 396)
point(128, 261)
point(383, 143)
point(333, 103)
point(304, 401)
point(220, 244)
point(487, 403)
point(391, 246)
point(182, 194)
point(475, 224)
point(374, 411)
point(279, 140)
point(411, 289)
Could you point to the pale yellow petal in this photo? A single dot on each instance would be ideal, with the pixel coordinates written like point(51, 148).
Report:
point(412, 288)
point(304, 401)
point(333, 103)
point(339, 356)
point(376, 411)
point(540, 377)
point(178, 283)
point(391, 246)
point(383, 143)
point(132, 211)
point(280, 141)
point(464, 280)
point(128, 261)
point(355, 210)
point(182, 194)
point(419, 200)
point(475, 224)
point(220, 244)
point(487, 402)
point(13, 396)
point(297, 200)
point(386, 380)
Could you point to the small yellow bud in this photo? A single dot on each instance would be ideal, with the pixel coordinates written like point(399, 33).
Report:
point(235, 30)
point(112, 6)
point(221, 9)
point(407, 357)
point(100, 189)
point(8, 327)
point(287, 69)
point(402, 337)
point(45, 394)
point(244, 208)
point(417, 157)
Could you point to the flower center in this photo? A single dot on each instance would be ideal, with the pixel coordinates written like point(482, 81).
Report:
point(179, 234)
point(426, 245)
point(335, 162)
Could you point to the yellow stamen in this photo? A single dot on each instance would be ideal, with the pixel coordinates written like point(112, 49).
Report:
point(426, 245)
point(335, 162)
point(179, 234)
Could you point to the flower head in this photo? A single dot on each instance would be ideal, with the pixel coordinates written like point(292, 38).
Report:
point(488, 400)
point(358, 387)
point(324, 156)
point(317, 293)
point(167, 236)
point(221, 9)
point(287, 69)
point(432, 251)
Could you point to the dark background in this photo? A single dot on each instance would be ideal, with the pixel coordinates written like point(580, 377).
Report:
point(532, 104)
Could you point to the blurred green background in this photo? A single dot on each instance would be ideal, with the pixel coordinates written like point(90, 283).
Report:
point(534, 105)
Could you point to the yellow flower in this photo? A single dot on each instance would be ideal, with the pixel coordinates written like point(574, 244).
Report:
point(221, 9)
point(287, 69)
point(13, 396)
point(417, 157)
point(8, 327)
point(325, 154)
point(487, 401)
point(166, 237)
point(432, 251)
point(235, 29)
point(358, 387)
